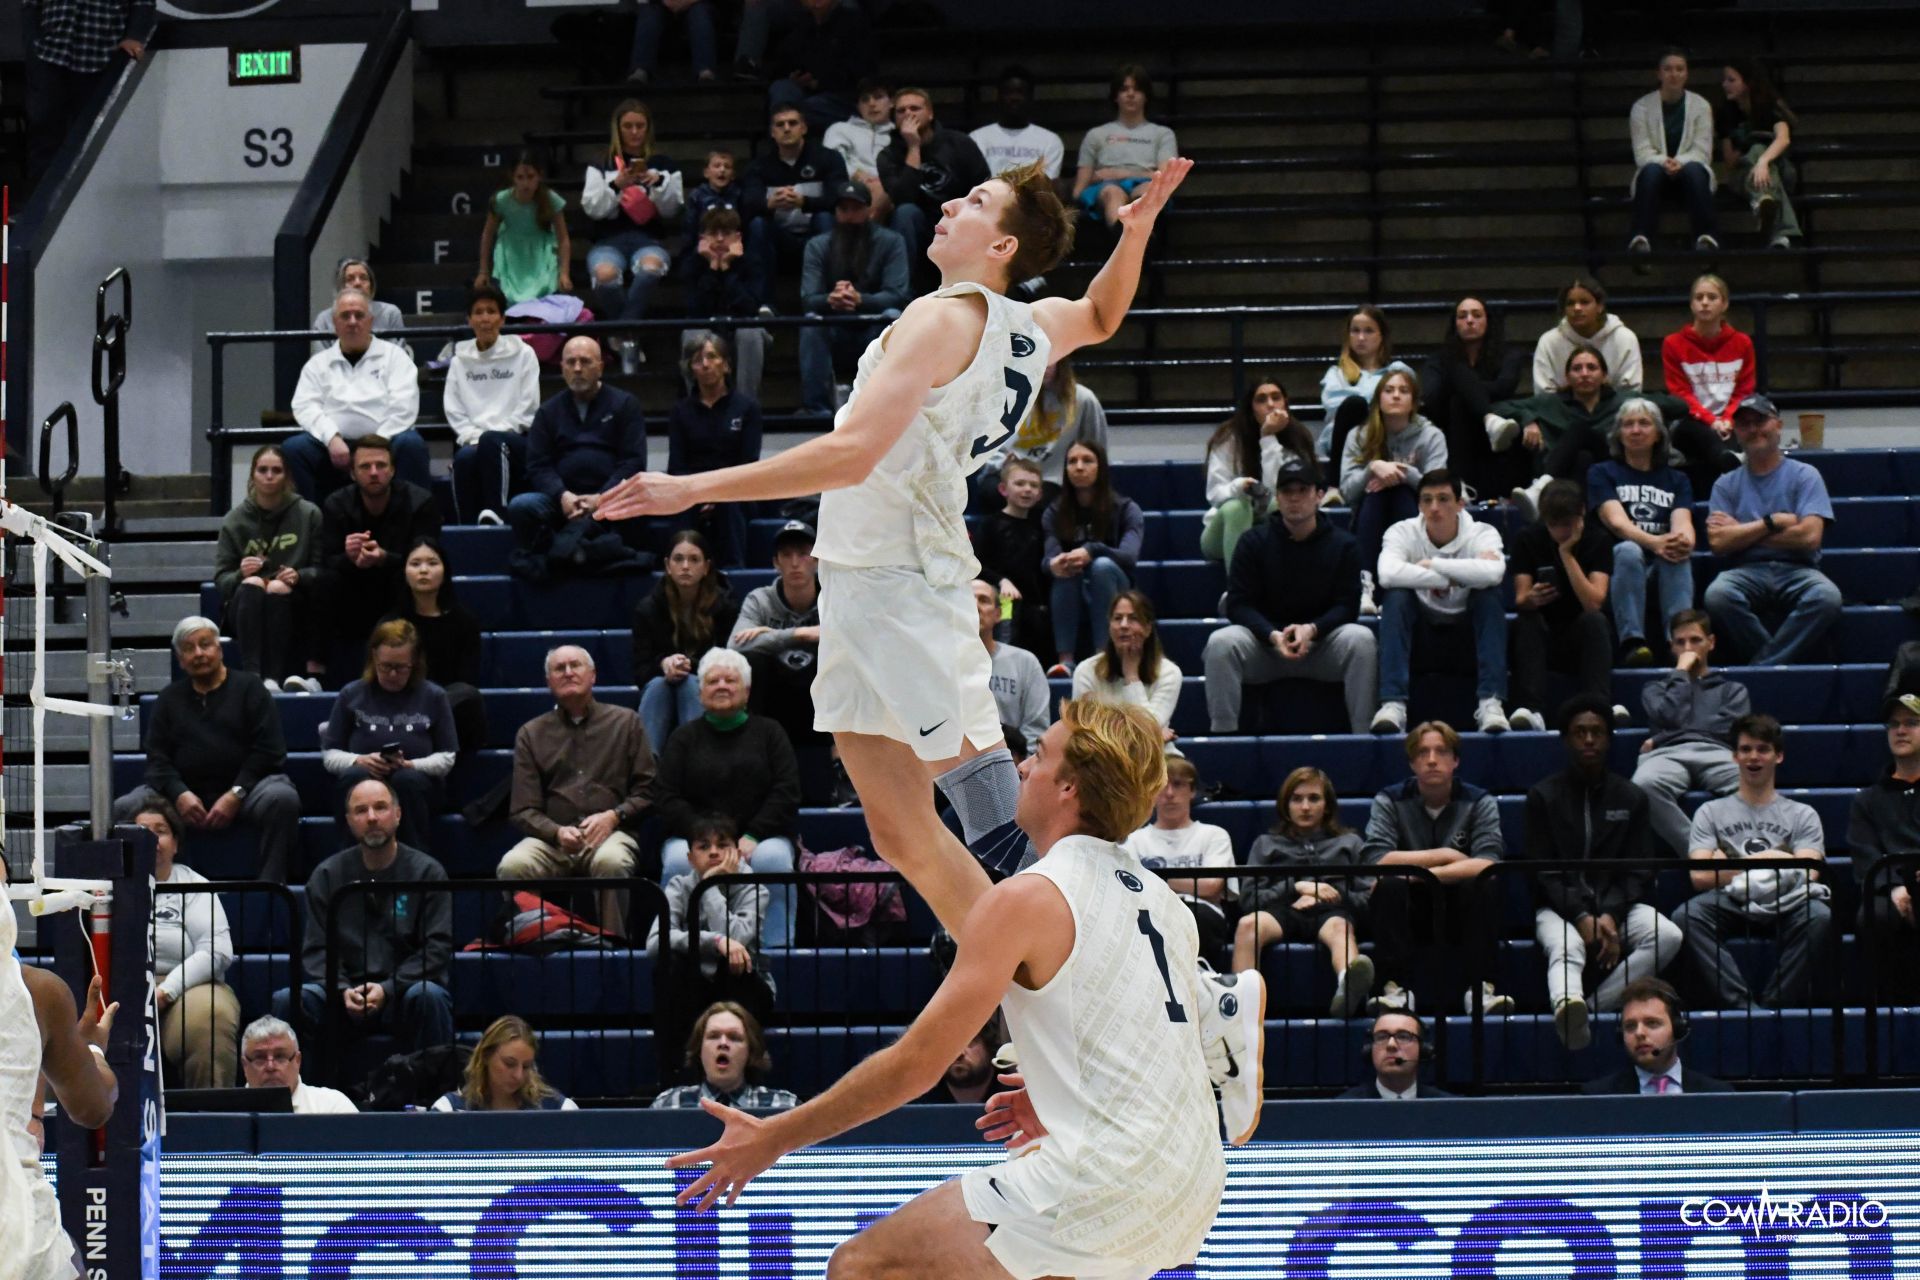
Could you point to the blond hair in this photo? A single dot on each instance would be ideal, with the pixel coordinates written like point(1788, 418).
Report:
point(1115, 755)
point(504, 1031)
point(1373, 436)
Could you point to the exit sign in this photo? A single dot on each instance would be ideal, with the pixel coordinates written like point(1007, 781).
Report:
point(264, 66)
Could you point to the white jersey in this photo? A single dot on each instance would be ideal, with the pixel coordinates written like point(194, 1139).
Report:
point(35, 1245)
point(910, 510)
point(1110, 1048)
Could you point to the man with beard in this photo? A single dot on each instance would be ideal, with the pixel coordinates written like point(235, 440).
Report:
point(365, 530)
point(857, 268)
point(970, 1077)
point(1395, 1046)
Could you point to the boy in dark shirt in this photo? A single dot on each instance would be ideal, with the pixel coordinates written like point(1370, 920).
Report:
point(1561, 568)
point(1011, 546)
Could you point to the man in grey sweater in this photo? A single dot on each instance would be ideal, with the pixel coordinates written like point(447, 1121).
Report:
point(1691, 709)
point(1018, 682)
point(394, 947)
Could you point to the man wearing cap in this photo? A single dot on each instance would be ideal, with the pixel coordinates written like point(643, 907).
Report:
point(1885, 819)
point(779, 632)
point(1293, 603)
point(857, 268)
point(215, 752)
point(1766, 521)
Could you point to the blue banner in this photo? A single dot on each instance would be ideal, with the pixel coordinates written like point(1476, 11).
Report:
point(1755, 1207)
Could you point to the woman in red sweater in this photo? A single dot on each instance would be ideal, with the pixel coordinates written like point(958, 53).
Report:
point(1709, 364)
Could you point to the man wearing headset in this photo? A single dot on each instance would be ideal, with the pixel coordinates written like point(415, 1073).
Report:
point(1396, 1046)
point(1652, 1025)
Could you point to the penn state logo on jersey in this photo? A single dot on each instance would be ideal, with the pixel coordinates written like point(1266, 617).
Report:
point(1130, 880)
point(1023, 346)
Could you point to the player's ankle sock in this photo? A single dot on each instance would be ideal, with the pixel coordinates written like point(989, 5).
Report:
point(985, 792)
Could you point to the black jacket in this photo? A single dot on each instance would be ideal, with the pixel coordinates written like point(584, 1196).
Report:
point(1884, 819)
point(393, 938)
point(1568, 819)
point(767, 170)
point(1365, 1090)
point(411, 513)
point(653, 630)
point(711, 293)
point(749, 773)
point(207, 744)
point(1275, 582)
point(705, 438)
point(568, 452)
point(1627, 1081)
point(950, 166)
point(1014, 548)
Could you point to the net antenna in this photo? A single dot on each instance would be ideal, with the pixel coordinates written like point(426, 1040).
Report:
point(44, 893)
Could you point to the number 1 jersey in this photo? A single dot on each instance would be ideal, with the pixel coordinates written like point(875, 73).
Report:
point(1110, 1048)
point(910, 510)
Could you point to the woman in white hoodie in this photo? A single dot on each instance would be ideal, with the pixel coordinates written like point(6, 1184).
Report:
point(1381, 467)
point(1586, 322)
point(192, 947)
point(493, 391)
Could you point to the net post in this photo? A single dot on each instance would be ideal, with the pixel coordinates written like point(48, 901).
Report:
point(100, 692)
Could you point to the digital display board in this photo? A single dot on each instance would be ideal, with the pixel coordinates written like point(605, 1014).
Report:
point(1756, 1207)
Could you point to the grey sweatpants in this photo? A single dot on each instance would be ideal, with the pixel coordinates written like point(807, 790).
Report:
point(1667, 773)
point(1235, 657)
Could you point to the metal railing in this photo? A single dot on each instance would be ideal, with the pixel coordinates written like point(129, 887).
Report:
point(246, 910)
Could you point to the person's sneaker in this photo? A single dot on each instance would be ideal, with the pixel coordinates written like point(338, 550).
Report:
point(1768, 211)
point(746, 69)
point(1393, 998)
point(1526, 500)
point(631, 358)
point(1501, 433)
point(1706, 244)
point(1233, 1031)
point(1369, 608)
point(1057, 670)
point(301, 684)
point(1570, 1023)
point(490, 518)
point(638, 77)
point(1780, 242)
point(273, 686)
point(766, 312)
point(1526, 720)
point(1491, 1001)
point(1390, 718)
point(1636, 653)
point(1490, 716)
point(1621, 716)
point(1639, 244)
point(1354, 989)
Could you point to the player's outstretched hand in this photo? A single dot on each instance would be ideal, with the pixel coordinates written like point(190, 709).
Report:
point(746, 1150)
point(1149, 200)
point(651, 493)
point(1010, 1119)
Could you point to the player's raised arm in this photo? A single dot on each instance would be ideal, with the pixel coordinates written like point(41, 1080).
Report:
point(931, 343)
point(1009, 923)
point(1096, 316)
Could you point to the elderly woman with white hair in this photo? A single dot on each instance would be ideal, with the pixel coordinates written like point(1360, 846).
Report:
point(736, 764)
point(1647, 504)
point(215, 752)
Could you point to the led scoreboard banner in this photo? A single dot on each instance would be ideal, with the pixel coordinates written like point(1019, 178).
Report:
point(1749, 1206)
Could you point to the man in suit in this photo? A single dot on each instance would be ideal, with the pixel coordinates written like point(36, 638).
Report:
point(1652, 1025)
point(1396, 1045)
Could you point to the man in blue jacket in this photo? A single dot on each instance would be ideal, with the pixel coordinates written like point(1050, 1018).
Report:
point(1435, 821)
point(1293, 608)
point(583, 442)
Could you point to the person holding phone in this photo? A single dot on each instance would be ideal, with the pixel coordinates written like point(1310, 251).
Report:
point(1561, 570)
point(396, 725)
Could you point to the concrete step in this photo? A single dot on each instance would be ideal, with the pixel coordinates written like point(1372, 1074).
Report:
point(152, 563)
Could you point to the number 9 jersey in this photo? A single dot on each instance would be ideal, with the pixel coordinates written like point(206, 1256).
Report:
point(910, 510)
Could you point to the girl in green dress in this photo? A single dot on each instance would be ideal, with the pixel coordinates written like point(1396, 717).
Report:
point(524, 250)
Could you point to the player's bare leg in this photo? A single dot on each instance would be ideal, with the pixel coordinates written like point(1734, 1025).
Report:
point(931, 1237)
point(896, 793)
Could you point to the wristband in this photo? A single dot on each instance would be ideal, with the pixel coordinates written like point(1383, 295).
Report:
point(1767, 520)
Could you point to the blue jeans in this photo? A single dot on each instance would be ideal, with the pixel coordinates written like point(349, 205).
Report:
point(1694, 185)
point(651, 18)
point(1737, 597)
point(315, 476)
point(822, 346)
point(1628, 589)
point(665, 706)
point(486, 473)
point(634, 262)
point(774, 855)
point(421, 1014)
point(1407, 630)
point(1089, 596)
